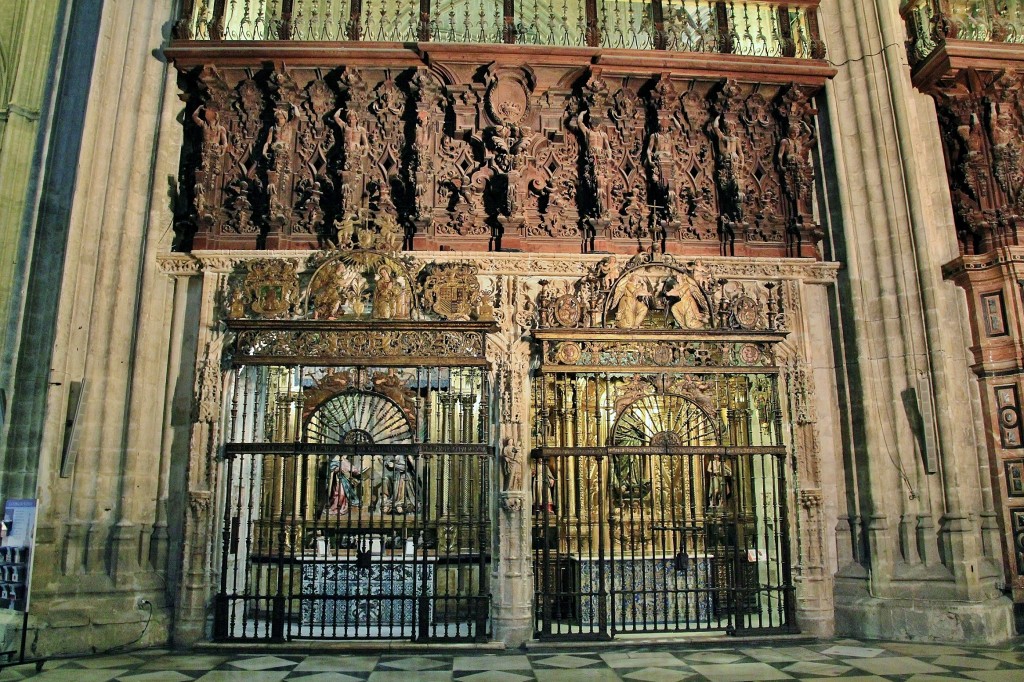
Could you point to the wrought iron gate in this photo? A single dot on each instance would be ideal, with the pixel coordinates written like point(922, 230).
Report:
point(659, 504)
point(356, 505)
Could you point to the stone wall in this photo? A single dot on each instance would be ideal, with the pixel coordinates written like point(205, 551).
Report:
point(918, 529)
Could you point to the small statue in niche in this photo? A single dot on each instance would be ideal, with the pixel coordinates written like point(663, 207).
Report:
point(546, 303)
point(690, 311)
point(485, 311)
point(631, 302)
point(543, 487)
point(236, 305)
point(719, 481)
point(512, 465)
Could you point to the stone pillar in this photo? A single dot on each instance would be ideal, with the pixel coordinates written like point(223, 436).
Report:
point(911, 451)
point(93, 560)
point(513, 581)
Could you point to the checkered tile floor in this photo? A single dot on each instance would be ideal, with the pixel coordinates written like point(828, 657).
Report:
point(838, 659)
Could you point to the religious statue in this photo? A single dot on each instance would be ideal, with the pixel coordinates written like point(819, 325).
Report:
point(400, 491)
point(690, 310)
point(236, 305)
point(628, 477)
point(328, 297)
point(512, 465)
point(719, 479)
point(390, 297)
point(340, 487)
point(631, 302)
point(543, 487)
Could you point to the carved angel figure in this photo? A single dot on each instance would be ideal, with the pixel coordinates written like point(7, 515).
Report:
point(690, 311)
point(631, 302)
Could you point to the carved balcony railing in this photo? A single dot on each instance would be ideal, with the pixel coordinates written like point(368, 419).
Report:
point(755, 28)
point(931, 23)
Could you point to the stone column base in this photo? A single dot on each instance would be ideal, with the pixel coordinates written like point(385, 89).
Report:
point(987, 622)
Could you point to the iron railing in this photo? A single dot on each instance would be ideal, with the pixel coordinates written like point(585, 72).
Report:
point(357, 505)
point(744, 27)
point(932, 22)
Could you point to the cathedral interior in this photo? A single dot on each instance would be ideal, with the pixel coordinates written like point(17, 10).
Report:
point(480, 321)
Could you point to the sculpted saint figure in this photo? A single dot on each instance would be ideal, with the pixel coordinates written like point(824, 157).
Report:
point(512, 465)
point(390, 298)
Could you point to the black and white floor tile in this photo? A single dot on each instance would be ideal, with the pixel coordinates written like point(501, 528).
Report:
point(847, 660)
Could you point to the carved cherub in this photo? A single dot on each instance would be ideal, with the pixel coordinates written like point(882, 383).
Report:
point(608, 272)
point(389, 233)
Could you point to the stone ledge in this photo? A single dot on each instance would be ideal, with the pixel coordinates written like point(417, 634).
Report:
point(985, 622)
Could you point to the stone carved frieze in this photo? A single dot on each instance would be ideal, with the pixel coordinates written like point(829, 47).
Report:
point(283, 157)
point(691, 354)
point(650, 292)
point(352, 346)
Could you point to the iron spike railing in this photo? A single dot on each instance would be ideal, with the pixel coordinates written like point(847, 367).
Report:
point(931, 22)
point(761, 28)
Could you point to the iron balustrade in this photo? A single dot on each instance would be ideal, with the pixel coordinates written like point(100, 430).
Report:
point(932, 22)
point(757, 28)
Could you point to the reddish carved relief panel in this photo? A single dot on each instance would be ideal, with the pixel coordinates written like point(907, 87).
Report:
point(291, 158)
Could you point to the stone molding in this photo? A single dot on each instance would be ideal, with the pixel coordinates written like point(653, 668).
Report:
point(807, 270)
